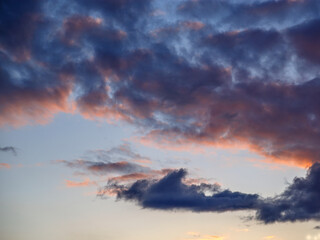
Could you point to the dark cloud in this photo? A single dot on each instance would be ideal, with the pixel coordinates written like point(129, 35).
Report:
point(19, 21)
point(11, 149)
point(317, 227)
point(103, 168)
point(299, 202)
point(218, 72)
point(305, 38)
point(121, 152)
point(120, 160)
point(171, 193)
point(244, 14)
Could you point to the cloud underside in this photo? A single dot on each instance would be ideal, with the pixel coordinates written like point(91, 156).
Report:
point(299, 202)
point(248, 74)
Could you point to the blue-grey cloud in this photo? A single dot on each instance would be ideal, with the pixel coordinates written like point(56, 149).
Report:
point(219, 72)
point(170, 193)
point(103, 168)
point(299, 202)
point(11, 149)
point(121, 159)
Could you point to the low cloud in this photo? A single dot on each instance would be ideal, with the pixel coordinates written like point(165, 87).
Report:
point(170, 193)
point(299, 202)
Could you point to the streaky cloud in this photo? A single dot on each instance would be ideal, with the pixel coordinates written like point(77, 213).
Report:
point(11, 149)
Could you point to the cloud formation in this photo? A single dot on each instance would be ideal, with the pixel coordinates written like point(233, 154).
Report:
point(170, 193)
point(103, 168)
point(299, 202)
point(121, 160)
point(11, 149)
point(246, 73)
point(5, 165)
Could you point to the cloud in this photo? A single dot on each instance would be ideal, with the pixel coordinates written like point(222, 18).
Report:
point(20, 21)
point(305, 38)
point(123, 150)
point(120, 159)
point(5, 165)
point(103, 168)
point(317, 227)
point(171, 193)
point(11, 149)
point(198, 236)
point(87, 182)
point(299, 202)
point(207, 237)
point(246, 74)
point(244, 14)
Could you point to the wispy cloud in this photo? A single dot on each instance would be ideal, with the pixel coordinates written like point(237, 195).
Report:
point(121, 159)
point(5, 165)
point(11, 149)
point(198, 236)
point(87, 182)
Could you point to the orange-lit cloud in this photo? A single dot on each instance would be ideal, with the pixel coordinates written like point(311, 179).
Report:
point(170, 141)
point(198, 236)
point(132, 176)
point(87, 182)
point(192, 83)
point(5, 165)
point(29, 106)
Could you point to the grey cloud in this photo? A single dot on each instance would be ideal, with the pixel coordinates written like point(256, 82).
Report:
point(299, 202)
point(11, 149)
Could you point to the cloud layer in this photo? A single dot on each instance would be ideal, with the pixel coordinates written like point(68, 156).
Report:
point(210, 72)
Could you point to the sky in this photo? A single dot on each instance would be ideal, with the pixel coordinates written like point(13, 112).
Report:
point(158, 119)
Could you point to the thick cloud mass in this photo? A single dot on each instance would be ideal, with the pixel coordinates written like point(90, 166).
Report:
point(171, 193)
point(299, 202)
point(213, 72)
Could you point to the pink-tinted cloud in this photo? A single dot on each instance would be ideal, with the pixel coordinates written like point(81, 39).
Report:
point(5, 165)
point(228, 80)
point(87, 182)
point(130, 177)
point(21, 106)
